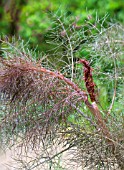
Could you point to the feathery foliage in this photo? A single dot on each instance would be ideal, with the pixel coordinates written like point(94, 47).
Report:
point(42, 108)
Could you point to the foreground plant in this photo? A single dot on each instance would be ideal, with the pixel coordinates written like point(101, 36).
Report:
point(41, 107)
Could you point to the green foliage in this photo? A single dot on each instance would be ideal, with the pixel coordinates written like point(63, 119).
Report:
point(35, 17)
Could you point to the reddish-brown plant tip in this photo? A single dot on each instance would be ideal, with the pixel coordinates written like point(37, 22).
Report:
point(88, 79)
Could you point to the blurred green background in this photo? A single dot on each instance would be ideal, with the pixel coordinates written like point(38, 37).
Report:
point(31, 20)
